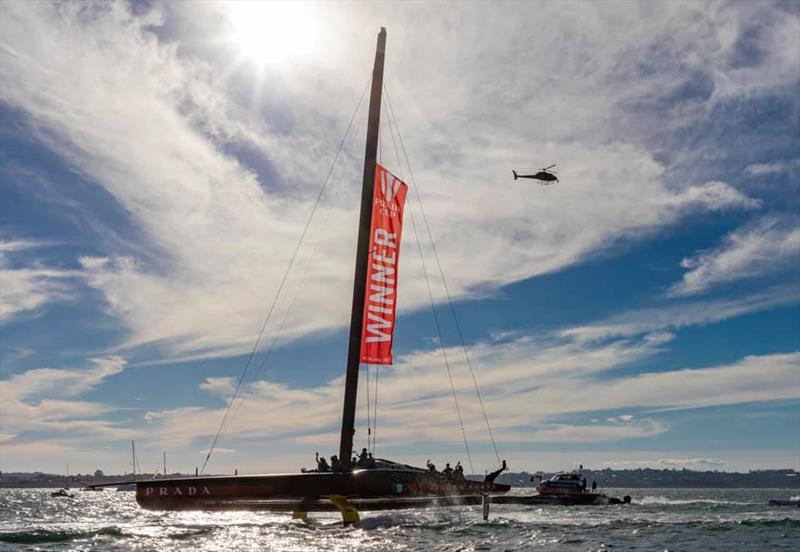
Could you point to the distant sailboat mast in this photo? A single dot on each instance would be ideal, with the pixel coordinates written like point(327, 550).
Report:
point(133, 457)
point(362, 256)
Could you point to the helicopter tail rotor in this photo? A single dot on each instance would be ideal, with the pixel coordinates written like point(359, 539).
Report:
point(515, 174)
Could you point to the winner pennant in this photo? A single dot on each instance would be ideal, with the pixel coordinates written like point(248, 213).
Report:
point(384, 256)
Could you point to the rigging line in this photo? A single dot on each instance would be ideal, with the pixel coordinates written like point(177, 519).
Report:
point(394, 145)
point(375, 410)
point(392, 130)
point(285, 315)
point(441, 272)
point(441, 339)
point(369, 425)
point(282, 283)
point(279, 333)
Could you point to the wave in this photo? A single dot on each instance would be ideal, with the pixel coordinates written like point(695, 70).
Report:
point(662, 500)
point(44, 536)
point(783, 522)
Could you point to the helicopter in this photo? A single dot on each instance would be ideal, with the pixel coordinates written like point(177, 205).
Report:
point(545, 175)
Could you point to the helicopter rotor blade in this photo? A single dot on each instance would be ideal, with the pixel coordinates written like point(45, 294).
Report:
point(550, 167)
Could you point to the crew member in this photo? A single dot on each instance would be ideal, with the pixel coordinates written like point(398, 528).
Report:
point(492, 476)
point(447, 471)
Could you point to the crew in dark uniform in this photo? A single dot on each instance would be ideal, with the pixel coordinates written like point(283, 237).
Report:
point(492, 476)
point(447, 471)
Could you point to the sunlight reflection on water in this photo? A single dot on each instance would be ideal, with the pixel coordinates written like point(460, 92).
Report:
point(664, 519)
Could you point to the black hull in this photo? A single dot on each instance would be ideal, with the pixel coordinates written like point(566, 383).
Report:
point(367, 489)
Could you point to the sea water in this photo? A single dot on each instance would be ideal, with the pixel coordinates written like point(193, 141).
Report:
point(658, 519)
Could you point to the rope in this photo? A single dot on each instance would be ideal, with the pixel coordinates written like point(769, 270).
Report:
point(375, 410)
point(369, 424)
point(299, 287)
point(435, 312)
point(250, 357)
point(444, 280)
point(290, 303)
point(441, 341)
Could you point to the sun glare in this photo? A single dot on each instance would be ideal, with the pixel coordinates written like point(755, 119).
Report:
point(272, 31)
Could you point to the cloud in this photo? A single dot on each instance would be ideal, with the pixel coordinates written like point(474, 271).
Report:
point(678, 315)
point(759, 169)
point(667, 463)
point(532, 384)
point(752, 379)
point(563, 433)
point(759, 249)
point(219, 236)
point(758, 50)
point(25, 288)
point(43, 399)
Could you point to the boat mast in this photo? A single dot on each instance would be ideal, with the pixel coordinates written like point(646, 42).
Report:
point(362, 256)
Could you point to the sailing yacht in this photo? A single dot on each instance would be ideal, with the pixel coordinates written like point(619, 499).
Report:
point(384, 484)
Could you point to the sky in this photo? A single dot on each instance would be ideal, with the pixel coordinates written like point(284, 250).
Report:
point(159, 163)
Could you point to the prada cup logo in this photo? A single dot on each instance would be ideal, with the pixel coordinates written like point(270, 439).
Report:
point(389, 186)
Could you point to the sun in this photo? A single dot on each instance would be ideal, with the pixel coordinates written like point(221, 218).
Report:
point(272, 31)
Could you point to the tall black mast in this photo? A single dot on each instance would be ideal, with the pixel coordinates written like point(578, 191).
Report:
point(362, 256)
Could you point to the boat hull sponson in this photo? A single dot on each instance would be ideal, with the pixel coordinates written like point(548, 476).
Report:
point(384, 488)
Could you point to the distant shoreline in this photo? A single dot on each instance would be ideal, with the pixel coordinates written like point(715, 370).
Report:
point(644, 478)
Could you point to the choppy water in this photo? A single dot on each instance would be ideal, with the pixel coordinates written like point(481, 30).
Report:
point(659, 519)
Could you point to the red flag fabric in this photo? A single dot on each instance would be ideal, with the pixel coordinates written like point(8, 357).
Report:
point(384, 254)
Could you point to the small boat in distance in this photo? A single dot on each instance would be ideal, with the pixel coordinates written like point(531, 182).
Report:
point(563, 484)
point(62, 493)
point(563, 489)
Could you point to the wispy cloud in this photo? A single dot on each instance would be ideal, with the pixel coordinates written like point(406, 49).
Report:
point(668, 463)
point(46, 399)
point(759, 169)
point(530, 387)
point(678, 315)
point(27, 286)
point(752, 251)
point(595, 433)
